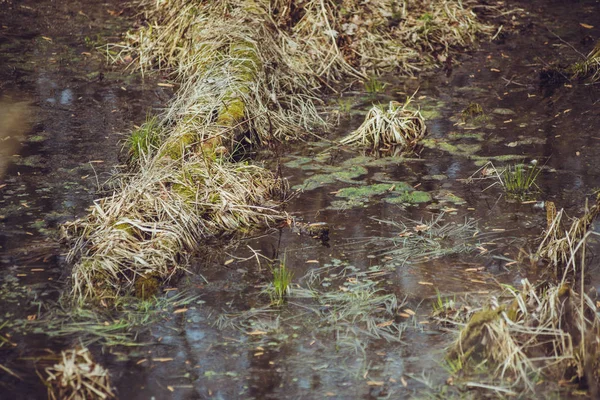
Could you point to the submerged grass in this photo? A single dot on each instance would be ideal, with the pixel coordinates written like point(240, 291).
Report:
point(118, 326)
point(418, 241)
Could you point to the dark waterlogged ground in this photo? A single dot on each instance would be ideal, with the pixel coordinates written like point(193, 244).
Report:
point(357, 323)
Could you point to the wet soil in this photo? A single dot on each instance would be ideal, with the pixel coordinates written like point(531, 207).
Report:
point(231, 343)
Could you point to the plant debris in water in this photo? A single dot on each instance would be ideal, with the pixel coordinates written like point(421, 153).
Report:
point(78, 377)
point(418, 241)
point(388, 131)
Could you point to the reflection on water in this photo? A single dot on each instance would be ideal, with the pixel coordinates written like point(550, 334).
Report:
point(14, 123)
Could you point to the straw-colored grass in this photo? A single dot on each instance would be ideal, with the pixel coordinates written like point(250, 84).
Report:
point(78, 377)
point(164, 211)
point(398, 128)
point(546, 332)
point(249, 74)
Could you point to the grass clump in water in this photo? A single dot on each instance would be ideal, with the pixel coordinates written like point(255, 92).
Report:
point(280, 288)
point(548, 332)
point(590, 67)
point(519, 180)
point(396, 129)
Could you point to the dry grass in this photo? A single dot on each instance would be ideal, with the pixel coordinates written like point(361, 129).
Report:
point(249, 73)
point(396, 129)
point(78, 377)
point(164, 211)
point(550, 331)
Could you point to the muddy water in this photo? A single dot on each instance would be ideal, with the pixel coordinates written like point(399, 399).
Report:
point(230, 344)
point(62, 112)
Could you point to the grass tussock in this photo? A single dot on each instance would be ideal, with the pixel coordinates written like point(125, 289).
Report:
point(398, 128)
point(151, 220)
point(78, 377)
point(547, 332)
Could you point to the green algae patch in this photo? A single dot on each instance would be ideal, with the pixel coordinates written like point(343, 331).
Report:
point(360, 196)
point(365, 191)
point(298, 162)
point(348, 175)
point(415, 197)
point(462, 149)
point(315, 181)
point(503, 111)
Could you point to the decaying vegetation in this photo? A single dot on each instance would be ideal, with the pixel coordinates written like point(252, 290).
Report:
point(250, 74)
point(78, 377)
point(393, 130)
point(545, 332)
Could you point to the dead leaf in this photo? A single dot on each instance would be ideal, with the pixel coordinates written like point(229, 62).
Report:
point(421, 228)
point(586, 26)
point(256, 333)
point(404, 383)
point(179, 311)
point(404, 315)
point(409, 311)
point(375, 383)
point(426, 283)
point(384, 324)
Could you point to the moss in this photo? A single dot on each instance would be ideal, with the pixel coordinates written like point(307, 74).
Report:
point(471, 339)
point(232, 112)
point(147, 286)
point(179, 145)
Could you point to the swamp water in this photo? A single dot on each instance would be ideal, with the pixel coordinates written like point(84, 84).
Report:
point(356, 324)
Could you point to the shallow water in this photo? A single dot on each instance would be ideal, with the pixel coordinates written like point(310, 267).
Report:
point(64, 111)
point(230, 344)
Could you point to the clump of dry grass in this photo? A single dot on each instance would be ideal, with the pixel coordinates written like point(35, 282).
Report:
point(166, 210)
point(78, 377)
point(397, 128)
point(549, 331)
point(337, 39)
